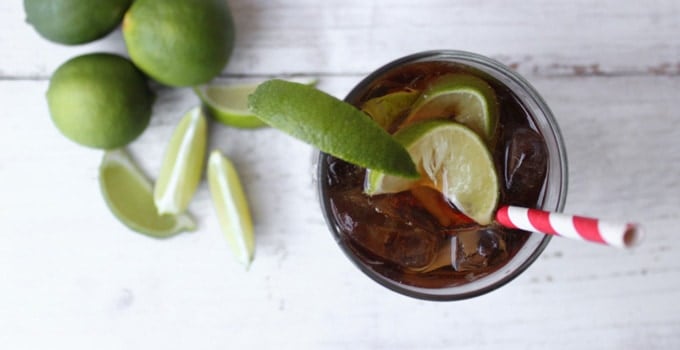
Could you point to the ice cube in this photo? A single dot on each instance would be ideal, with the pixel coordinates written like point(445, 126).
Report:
point(405, 208)
point(525, 166)
point(375, 225)
point(407, 246)
point(350, 207)
point(342, 175)
point(478, 249)
point(441, 260)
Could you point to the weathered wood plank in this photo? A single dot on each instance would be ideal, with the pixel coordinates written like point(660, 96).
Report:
point(338, 37)
point(73, 273)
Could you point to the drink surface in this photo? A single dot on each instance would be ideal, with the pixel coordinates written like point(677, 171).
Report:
point(417, 237)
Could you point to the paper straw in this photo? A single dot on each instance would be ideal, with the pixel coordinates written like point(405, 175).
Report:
point(623, 235)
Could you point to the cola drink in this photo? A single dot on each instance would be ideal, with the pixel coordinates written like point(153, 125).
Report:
point(416, 242)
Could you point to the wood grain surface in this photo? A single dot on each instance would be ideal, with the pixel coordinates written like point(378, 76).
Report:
point(73, 277)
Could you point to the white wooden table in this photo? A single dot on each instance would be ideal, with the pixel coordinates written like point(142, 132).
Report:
point(73, 277)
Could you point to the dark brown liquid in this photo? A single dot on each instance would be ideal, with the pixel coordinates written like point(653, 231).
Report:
point(417, 237)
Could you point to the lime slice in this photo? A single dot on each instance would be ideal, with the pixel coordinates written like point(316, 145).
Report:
point(460, 97)
point(231, 207)
point(128, 193)
point(331, 125)
point(388, 108)
point(182, 164)
point(454, 160)
point(228, 104)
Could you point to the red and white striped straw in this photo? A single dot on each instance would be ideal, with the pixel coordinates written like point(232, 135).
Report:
point(624, 235)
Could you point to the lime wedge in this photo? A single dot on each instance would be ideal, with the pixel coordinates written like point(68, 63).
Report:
point(386, 109)
point(182, 164)
point(333, 126)
point(228, 104)
point(231, 207)
point(128, 193)
point(454, 160)
point(460, 97)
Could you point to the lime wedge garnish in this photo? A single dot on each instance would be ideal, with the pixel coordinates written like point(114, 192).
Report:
point(231, 207)
point(454, 160)
point(228, 104)
point(388, 108)
point(129, 195)
point(461, 97)
point(182, 164)
point(333, 126)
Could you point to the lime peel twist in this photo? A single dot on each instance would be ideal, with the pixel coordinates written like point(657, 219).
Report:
point(331, 125)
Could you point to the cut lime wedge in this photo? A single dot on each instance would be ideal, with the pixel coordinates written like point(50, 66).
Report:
point(461, 97)
point(228, 104)
point(128, 193)
point(386, 109)
point(454, 160)
point(182, 164)
point(333, 126)
point(231, 207)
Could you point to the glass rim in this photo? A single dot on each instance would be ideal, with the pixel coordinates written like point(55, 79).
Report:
point(540, 241)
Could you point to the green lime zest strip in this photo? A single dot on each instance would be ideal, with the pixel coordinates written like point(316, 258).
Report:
point(228, 103)
point(331, 125)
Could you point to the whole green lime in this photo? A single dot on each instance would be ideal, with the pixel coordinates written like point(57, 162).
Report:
point(179, 42)
point(100, 100)
point(74, 21)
